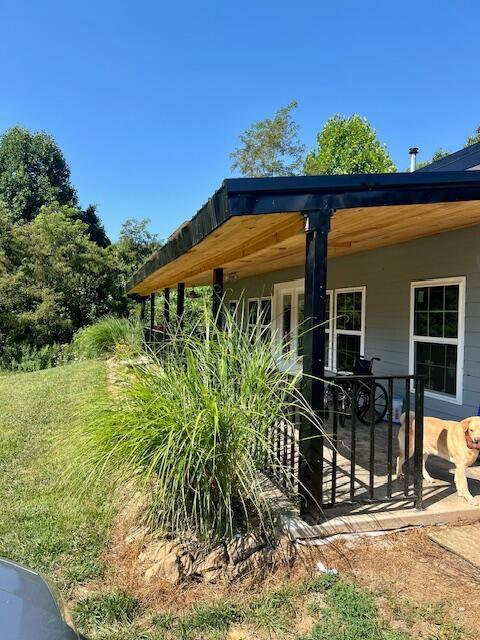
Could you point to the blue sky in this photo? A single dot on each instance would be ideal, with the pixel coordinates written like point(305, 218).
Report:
point(147, 99)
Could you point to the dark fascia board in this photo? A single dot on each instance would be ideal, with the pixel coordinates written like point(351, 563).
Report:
point(458, 161)
point(251, 196)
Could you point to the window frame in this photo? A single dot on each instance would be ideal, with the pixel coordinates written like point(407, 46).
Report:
point(459, 341)
point(295, 288)
point(350, 332)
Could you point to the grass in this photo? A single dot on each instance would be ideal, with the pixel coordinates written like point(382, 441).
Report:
point(106, 336)
point(193, 425)
point(104, 610)
point(45, 527)
point(41, 524)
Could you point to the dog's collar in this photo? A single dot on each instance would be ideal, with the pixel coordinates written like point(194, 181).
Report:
point(471, 444)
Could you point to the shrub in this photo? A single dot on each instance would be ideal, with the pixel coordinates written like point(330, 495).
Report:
point(107, 335)
point(29, 358)
point(194, 424)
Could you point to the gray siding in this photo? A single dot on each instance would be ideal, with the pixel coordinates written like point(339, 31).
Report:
point(387, 274)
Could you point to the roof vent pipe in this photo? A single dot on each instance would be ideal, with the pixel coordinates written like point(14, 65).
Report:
point(413, 158)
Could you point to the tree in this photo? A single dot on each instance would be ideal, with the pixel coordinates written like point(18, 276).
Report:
point(33, 173)
point(135, 244)
point(53, 278)
point(348, 145)
point(475, 138)
point(438, 155)
point(95, 229)
point(270, 147)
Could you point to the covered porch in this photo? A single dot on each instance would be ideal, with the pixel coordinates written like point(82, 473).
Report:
point(254, 228)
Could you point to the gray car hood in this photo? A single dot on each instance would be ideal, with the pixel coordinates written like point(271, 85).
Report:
point(28, 610)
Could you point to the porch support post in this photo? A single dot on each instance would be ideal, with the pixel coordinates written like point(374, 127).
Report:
point(142, 309)
point(166, 307)
point(217, 297)
point(311, 440)
point(152, 315)
point(180, 303)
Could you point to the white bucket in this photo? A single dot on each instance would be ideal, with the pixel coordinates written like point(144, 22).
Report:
point(397, 408)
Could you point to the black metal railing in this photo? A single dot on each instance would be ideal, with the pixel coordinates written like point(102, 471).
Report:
point(282, 460)
point(360, 444)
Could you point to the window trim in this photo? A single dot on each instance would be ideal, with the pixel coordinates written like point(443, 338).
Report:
point(459, 341)
point(350, 332)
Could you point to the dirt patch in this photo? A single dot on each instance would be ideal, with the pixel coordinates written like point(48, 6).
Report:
point(414, 579)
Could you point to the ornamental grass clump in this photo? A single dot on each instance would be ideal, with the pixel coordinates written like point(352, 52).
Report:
point(107, 335)
point(193, 425)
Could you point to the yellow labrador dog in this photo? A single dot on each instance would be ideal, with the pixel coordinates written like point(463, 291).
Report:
point(457, 442)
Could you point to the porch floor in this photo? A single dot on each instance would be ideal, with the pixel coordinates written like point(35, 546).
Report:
point(440, 501)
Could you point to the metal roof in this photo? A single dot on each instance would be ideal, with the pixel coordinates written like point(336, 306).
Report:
point(459, 161)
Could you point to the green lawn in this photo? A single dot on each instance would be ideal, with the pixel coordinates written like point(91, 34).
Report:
point(45, 526)
point(41, 524)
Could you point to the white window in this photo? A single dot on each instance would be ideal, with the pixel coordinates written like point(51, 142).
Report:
point(289, 317)
point(349, 329)
point(437, 326)
point(259, 317)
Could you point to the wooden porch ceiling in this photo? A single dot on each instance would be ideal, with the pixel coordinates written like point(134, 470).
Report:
point(255, 244)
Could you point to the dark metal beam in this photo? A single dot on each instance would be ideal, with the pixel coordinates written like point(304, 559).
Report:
point(180, 303)
point(217, 297)
point(311, 438)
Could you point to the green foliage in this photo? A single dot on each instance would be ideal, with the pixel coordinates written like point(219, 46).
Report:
point(473, 139)
point(24, 357)
point(95, 229)
point(104, 610)
point(135, 244)
point(348, 145)
point(350, 614)
point(270, 147)
point(107, 335)
point(193, 423)
point(33, 173)
point(53, 279)
point(319, 584)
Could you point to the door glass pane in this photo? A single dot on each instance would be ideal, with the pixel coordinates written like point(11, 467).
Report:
point(233, 310)
point(252, 318)
point(286, 322)
point(265, 319)
point(301, 326)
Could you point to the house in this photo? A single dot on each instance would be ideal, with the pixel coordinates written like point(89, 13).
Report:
point(383, 265)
